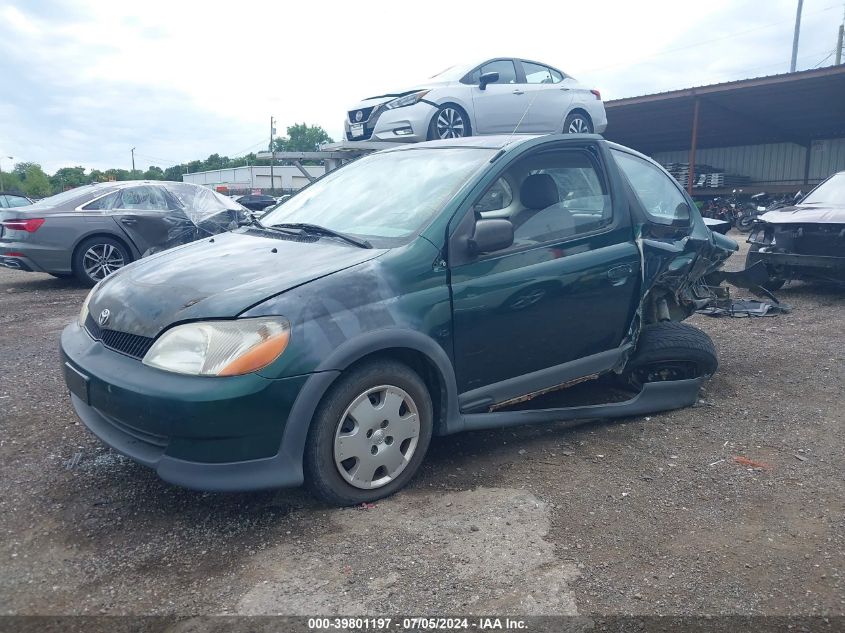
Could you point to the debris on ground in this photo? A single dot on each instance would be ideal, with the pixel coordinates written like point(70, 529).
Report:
point(751, 463)
point(743, 308)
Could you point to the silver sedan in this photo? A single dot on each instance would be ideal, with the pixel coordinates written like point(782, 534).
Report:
point(91, 231)
point(502, 95)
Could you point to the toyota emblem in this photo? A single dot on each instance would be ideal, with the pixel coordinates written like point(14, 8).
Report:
point(359, 115)
point(104, 317)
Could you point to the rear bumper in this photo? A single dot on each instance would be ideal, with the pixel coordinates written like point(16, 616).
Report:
point(205, 433)
point(32, 258)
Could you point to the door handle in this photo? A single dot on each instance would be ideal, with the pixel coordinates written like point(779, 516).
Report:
point(618, 275)
point(564, 88)
point(518, 92)
point(128, 221)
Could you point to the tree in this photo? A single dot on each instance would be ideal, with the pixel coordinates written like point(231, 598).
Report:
point(68, 177)
point(154, 173)
point(174, 173)
point(36, 184)
point(302, 138)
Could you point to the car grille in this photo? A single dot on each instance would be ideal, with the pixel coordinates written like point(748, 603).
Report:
point(820, 239)
point(130, 344)
point(365, 114)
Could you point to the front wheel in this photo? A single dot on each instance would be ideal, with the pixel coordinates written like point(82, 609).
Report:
point(745, 222)
point(449, 122)
point(670, 351)
point(577, 123)
point(369, 435)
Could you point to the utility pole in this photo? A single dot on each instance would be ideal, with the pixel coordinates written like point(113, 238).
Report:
point(272, 154)
point(840, 40)
point(133, 160)
point(795, 37)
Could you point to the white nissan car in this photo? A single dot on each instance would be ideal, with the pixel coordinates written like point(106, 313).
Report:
point(497, 96)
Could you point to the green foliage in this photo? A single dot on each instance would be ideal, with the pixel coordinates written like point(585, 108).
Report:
point(36, 184)
point(302, 138)
point(31, 179)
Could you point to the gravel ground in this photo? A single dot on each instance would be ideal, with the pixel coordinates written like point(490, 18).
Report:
point(646, 516)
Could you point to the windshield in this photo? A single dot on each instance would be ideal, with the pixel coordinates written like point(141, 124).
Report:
point(389, 195)
point(830, 192)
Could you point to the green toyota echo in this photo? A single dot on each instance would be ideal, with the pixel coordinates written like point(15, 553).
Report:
point(424, 289)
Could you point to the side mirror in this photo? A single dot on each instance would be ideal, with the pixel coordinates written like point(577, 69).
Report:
point(490, 235)
point(487, 78)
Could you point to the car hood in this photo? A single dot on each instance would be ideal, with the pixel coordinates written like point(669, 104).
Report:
point(215, 278)
point(803, 214)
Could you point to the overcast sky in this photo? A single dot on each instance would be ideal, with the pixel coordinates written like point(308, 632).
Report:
point(84, 81)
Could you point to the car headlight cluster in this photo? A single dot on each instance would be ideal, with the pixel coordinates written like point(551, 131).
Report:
point(83, 311)
point(407, 100)
point(220, 348)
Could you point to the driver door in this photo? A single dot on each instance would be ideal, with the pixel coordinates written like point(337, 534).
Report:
point(500, 105)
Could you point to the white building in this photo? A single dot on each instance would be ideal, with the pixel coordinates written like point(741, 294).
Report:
point(244, 179)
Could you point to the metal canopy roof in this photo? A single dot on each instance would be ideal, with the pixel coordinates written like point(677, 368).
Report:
point(796, 107)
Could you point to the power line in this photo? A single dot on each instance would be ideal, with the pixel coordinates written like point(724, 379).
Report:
point(703, 42)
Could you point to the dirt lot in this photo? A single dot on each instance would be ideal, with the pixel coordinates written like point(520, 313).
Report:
point(647, 515)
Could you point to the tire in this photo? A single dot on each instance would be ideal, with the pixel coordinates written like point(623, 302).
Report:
point(670, 351)
point(335, 432)
point(774, 282)
point(577, 123)
point(113, 256)
point(450, 121)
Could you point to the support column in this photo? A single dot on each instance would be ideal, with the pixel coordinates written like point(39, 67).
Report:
point(808, 156)
point(693, 143)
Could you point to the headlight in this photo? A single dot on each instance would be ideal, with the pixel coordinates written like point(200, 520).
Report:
point(220, 348)
point(407, 100)
point(83, 311)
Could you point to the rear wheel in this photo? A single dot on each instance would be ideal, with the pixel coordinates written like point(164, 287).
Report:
point(774, 282)
point(670, 351)
point(449, 121)
point(98, 257)
point(369, 434)
point(577, 123)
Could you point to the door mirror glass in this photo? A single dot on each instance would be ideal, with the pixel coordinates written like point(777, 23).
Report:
point(487, 78)
point(491, 235)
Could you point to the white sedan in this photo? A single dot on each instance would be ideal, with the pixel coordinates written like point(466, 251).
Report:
point(498, 96)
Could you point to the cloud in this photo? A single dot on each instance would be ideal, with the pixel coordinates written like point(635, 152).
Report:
point(87, 81)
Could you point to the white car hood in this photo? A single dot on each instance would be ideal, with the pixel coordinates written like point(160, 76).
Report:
point(805, 214)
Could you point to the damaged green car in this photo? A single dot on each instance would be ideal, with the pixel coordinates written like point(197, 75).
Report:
point(422, 290)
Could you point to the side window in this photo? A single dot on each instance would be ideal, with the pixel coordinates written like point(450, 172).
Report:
point(17, 201)
point(537, 74)
point(3, 203)
point(656, 191)
point(499, 196)
point(102, 204)
point(562, 194)
point(505, 68)
point(557, 77)
point(147, 198)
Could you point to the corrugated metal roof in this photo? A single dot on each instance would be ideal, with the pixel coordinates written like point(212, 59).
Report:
point(795, 108)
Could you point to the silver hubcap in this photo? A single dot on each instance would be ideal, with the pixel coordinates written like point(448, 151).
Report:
point(578, 126)
point(450, 124)
point(376, 437)
point(101, 260)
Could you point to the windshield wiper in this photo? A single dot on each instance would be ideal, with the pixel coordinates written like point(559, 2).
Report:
point(316, 229)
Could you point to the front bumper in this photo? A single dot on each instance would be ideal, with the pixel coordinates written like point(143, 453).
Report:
point(403, 125)
point(199, 432)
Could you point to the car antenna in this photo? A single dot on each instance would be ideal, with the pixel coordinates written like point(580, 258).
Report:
point(518, 123)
